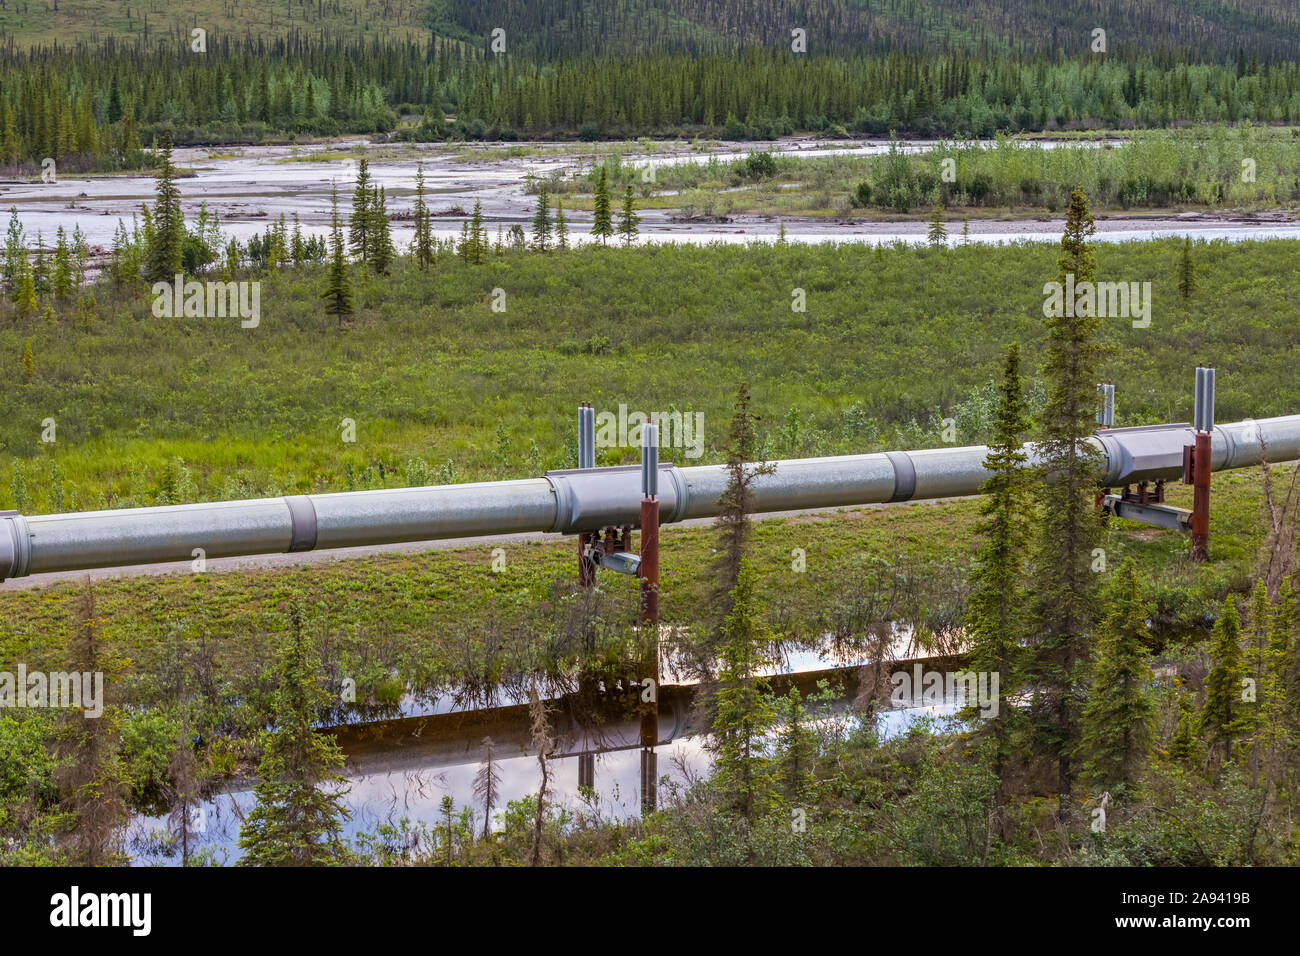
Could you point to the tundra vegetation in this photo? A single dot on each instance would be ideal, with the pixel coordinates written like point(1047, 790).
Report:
point(215, 679)
point(1196, 776)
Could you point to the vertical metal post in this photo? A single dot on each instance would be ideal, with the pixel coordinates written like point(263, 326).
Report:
point(1203, 420)
point(649, 614)
point(588, 686)
point(586, 459)
point(649, 780)
point(1106, 408)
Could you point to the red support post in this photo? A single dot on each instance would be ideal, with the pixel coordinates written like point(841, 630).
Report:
point(650, 618)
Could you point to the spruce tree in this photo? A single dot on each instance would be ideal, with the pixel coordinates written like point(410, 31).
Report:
point(737, 501)
point(16, 254)
point(359, 226)
point(80, 256)
point(296, 822)
point(1257, 666)
point(744, 712)
point(1063, 584)
point(561, 227)
point(63, 276)
point(1184, 748)
point(1287, 642)
point(339, 291)
point(628, 219)
point(1269, 658)
point(423, 231)
point(29, 362)
point(1223, 718)
point(796, 746)
point(938, 233)
point(1117, 720)
point(602, 224)
point(163, 257)
point(462, 244)
point(40, 267)
point(542, 221)
point(478, 239)
point(996, 621)
point(382, 252)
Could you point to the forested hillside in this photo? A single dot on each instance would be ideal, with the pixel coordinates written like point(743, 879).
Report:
point(1215, 29)
point(1210, 29)
point(89, 82)
point(33, 23)
point(95, 108)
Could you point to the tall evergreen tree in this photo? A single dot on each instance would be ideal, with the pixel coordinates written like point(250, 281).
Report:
point(1063, 584)
point(382, 252)
point(423, 231)
point(561, 226)
point(737, 501)
point(996, 621)
point(1224, 718)
point(477, 234)
point(796, 746)
point(15, 254)
point(542, 221)
point(628, 219)
point(163, 258)
point(360, 223)
point(40, 267)
point(62, 277)
point(1117, 719)
point(1184, 748)
point(339, 291)
point(1287, 642)
point(296, 822)
point(744, 712)
point(602, 224)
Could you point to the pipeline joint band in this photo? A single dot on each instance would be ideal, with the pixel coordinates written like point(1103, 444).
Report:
point(904, 475)
point(15, 546)
point(302, 516)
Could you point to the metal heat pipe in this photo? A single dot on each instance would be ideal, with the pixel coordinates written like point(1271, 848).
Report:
point(573, 501)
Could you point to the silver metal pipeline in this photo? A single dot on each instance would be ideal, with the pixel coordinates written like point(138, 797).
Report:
point(573, 500)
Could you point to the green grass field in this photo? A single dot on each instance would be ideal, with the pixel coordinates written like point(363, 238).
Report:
point(442, 388)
